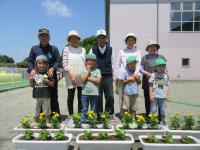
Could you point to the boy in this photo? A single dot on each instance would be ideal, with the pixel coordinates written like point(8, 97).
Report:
point(159, 89)
point(131, 89)
point(91, 78)
point(40, 83)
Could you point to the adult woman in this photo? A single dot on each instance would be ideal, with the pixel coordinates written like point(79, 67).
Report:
point(148, 67)
point(129, 50)
point(73, 62)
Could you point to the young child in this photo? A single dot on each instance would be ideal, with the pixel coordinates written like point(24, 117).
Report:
point(91, 78)
point(41, 91)
point(130, 83)
point(159, 89)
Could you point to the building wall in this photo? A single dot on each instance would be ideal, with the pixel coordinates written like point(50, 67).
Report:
point(141, 19)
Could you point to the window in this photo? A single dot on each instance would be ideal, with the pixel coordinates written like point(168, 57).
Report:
point(185, 15)
point(185, 62)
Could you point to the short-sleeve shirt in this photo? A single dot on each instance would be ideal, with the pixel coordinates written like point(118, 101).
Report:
point(89, 88)
point(159, 83)
point(41, 89)
point(131, 88)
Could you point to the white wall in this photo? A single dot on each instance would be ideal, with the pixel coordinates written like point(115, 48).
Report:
point(141, 19)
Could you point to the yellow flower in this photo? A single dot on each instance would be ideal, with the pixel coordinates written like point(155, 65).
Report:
point(177, 113)
point(189, 115)
point(150, 115)
point(42, 114)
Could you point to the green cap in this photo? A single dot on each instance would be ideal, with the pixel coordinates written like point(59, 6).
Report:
point(160, 61)
point(91, 55)
point(131, 59)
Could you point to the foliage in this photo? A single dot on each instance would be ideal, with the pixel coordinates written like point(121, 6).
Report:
point(60, 135)
point(105, 118)
point(189, 122)
point(28, 135)
point(152, 138)
point(140, 121)
point(175, 121)
point(185, 139)
point(54, 120)
point(42, 122)
point(44, 135)
point(103, 136)
point(168, 138)
point(6, 59)
point(77, 120)
point(87, 135)
point(126, 120)
point(25, 123)
point(120, 134)
point(88, 43)
point(92, 118)
point(153, 121)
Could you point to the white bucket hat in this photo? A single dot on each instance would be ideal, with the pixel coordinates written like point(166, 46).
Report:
point(101, 32)
point(130, 35)
point(152, 42)
point(73, 33)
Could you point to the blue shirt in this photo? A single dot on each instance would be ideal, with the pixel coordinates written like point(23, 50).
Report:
point(131, 88)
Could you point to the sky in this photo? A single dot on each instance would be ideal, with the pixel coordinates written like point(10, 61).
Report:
point(21, 19)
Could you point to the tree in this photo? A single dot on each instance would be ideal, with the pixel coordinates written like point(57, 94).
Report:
point(88, 43)
point(23, 64)
point(6, 59)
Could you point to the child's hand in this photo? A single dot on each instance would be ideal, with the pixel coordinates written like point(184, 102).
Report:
point(131, 79)
point(73, 79)
point(168, 98)
point(30, 77)
point(89, 67)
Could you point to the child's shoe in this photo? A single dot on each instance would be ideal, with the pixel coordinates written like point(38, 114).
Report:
point(163, 123)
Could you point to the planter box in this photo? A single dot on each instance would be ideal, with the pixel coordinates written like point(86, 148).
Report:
point(20, 130)
point(194, 133)
point(154, 146)
point(76, 131)
point(41, 145)
point(137, 132)
point(104, 145)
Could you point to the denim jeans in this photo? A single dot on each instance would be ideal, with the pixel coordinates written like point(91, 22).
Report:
point(159, 103)
point(85, 100)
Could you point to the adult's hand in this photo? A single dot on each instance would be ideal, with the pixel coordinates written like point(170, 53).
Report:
point(33, 72)
point(73, 80)
point(50, 72)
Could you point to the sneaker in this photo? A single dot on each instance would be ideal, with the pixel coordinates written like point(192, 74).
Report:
point(163, 123)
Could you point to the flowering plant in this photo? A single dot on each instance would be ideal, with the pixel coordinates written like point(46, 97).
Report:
point(55, 120)
point(92, 118)
point(77, 120)
point(189, 122)
point(126, 120)
point(105, 118)
point(140, 121)
point(175, 121)
point(153, 121)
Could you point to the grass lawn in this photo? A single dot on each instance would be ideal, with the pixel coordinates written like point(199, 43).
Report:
point(10, 85)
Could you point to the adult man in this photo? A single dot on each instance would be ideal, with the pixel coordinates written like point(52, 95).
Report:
point(103, 53)
point(53, 60)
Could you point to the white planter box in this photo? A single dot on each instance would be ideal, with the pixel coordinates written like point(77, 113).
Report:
point(104, 145)
point(194, 133)
point(41, 145)
point(20, 130)
point(154, 146)
point(137, 132)
point(76, 131)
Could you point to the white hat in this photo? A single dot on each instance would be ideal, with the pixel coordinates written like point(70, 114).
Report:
point(101, 32)
point(152, 42)
point(73, 33)
point(130, 35)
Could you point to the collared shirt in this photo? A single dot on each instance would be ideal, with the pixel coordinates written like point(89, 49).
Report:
point(102, 49)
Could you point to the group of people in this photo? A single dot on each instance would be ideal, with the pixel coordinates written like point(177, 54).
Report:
point(92, 75)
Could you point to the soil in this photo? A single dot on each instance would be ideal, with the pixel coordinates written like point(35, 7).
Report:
point(176, 141)
point(48, 139)
point(138, 128)
point(110, 138)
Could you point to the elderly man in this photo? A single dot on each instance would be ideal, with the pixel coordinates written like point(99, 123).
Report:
point(53, 60)
point(103, 53)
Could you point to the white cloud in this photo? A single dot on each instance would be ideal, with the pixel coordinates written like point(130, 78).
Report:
point(55, 7)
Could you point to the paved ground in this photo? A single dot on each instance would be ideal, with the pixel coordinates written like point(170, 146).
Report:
point(17, 103)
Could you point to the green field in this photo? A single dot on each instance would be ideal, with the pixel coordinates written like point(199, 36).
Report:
point(10, 85)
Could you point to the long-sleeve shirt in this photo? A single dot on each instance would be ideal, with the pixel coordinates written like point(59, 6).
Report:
point(73, 60)
point(121, 60)
point(51, 52)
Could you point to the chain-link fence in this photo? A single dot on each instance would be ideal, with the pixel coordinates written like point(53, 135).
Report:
point(11, 77)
